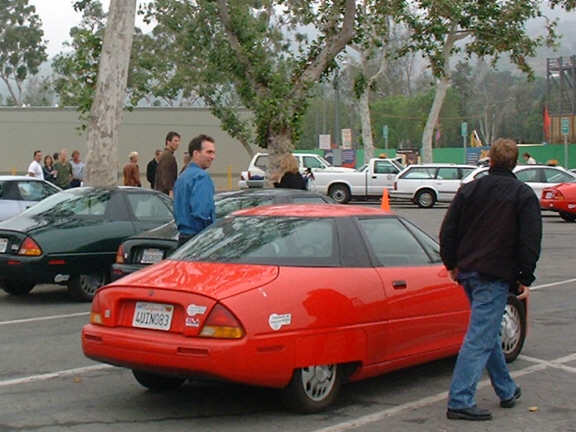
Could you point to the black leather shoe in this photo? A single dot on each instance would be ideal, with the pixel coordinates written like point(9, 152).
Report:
point(509, 403)
point(472, 413)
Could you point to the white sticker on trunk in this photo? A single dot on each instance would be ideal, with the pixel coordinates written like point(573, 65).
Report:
point(276, 321)
point(193, 310)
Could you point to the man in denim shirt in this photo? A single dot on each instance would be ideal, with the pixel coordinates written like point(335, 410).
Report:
point(490, 242)
point(194, 190)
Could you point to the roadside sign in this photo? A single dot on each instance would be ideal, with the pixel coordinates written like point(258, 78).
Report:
point(565, 126)
point(346, 138)
point(324, 142)
point(464, 129)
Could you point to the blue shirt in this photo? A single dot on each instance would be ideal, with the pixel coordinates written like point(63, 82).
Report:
point(193, 200)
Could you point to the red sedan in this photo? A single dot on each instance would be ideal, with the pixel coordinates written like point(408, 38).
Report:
point(297, 297)
point(561, 198)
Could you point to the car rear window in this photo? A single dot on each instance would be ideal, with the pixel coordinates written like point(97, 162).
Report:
point(419, 173)
point(305, 242)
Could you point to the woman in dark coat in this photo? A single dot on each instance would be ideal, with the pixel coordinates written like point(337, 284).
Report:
point(48, 169)
point(290, 177)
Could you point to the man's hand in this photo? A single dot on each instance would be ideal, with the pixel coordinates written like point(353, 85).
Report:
point(454, 274)
point(523, 292)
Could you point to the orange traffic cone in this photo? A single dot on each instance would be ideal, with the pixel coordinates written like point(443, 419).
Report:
point(385, 200)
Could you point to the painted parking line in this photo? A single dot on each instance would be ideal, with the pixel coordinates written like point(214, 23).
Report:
point(52, 375)
point(381, 415)
point(566, 281)
point(558, 363)
point(44, 318)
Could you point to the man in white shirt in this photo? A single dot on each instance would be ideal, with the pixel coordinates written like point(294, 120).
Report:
point(77, 169)
point(35, 169)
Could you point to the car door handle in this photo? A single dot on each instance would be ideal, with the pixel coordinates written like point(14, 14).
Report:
point(374, 176)
point(399, 284)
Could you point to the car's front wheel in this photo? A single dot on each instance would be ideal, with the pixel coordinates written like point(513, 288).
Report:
point(513, 330)
point(158, 382)
point(425, 198)
point(313, 388)
point(16, 288)
point(568, 217)
point(83, 287)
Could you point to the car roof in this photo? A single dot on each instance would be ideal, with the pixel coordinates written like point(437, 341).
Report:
point(268, 192)
point(440, 165)
point(312, 211)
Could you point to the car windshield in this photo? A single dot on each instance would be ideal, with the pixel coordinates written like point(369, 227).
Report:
point(71, 202)
point(307, 242)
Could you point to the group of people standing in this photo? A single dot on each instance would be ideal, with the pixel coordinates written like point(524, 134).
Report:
point(57, 169)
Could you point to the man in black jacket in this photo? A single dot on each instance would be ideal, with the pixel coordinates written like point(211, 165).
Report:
point(151, 168)
point(490, 242)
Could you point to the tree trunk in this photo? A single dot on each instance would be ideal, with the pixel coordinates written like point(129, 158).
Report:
point(366, 121)
point(442, 86)
point(278, 145)
point(110, 95)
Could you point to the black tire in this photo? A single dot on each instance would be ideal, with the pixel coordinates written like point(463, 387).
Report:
point(158, 382)
point(83, 287)
point(313, 389)
point(339, 193)
point(513, 330)
point(568, 217)
point(16, 288)
point(425, 198)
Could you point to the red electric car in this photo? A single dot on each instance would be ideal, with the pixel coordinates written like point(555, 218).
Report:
point(297, 297)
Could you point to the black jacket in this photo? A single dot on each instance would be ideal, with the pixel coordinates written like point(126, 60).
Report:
point(151, 171)
point(291, 181)
point(493, 227)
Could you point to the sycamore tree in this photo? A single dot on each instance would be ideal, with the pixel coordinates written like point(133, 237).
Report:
point(109, 95)
point(22, 47)
point(443, 28)
point(262, 55)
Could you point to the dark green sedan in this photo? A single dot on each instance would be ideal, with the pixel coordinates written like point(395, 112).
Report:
point(71, 237)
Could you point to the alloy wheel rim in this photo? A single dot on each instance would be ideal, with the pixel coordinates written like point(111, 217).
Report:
point(91, 282)
point(511, 329)
point(425, 199)
point(318, 381)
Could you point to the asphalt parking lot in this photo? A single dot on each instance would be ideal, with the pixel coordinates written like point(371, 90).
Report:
point(46, 384)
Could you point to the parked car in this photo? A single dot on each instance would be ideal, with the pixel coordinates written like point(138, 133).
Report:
point(255, 176)
point(537, 177)
point(152, 246)
point(297, 297)
point(17, 193)
point(562, 199)
point(72, 237)
point(427, 184)
point(369, 181)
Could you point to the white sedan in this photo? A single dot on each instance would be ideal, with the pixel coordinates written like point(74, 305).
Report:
point(17, 193)
point(537, 177)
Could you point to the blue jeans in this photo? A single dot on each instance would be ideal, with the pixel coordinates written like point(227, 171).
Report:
point(482, 347)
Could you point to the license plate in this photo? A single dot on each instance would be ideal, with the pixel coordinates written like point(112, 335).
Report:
point(3, 245)
point(152, 256)
point(154, 316)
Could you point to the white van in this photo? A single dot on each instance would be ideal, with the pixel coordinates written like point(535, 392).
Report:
point(255, 176)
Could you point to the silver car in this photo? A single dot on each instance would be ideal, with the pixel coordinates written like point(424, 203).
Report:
point(17, 193)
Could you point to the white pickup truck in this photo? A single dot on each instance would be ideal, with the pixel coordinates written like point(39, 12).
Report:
point(255, 176)
point(368, 181)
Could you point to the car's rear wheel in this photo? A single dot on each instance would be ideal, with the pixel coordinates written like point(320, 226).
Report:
point(425, 198)
point(83, 287)
point(339, 193)
point(568, 217)
point(313, 388)
point(158, 382)
point(16, 288)
point(513, 330)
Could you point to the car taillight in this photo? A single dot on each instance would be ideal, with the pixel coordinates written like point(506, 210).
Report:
point(222, 324)
point(95, 312)
point(558, 195)
point(29, 248)
point(120, 255)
